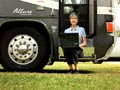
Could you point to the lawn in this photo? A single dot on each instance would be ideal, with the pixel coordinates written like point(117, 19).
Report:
point(104, 76)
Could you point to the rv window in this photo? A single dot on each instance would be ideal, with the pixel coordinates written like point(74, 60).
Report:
point(75, 1)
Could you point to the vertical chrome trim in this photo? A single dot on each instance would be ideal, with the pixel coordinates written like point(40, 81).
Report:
point(91, 16)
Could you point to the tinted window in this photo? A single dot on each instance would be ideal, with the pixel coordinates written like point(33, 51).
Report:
point(75, 1)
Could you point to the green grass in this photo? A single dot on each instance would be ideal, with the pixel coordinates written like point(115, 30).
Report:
point(88, 51)
point(92, 77)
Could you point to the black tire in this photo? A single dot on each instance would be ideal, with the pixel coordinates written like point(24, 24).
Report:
point(41, 58)
point(97, 61)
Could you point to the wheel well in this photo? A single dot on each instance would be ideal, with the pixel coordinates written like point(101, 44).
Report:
point(39, 26)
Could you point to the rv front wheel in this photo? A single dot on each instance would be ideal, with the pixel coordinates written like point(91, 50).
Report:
point(24, 48)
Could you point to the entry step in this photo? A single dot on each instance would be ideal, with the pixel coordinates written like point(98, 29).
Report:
point(84, 59)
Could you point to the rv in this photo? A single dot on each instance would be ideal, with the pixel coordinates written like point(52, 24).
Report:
point(30, 31)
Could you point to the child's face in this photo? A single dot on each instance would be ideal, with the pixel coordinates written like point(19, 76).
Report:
point(74, 20)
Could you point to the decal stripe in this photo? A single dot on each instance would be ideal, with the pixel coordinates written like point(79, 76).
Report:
point(46, 3)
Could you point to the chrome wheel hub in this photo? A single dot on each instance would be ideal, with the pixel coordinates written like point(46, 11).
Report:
point(23, 49)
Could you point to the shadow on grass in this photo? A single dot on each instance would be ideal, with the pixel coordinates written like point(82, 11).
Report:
point(64, 71)
point(3, 70)
point(50, 71)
